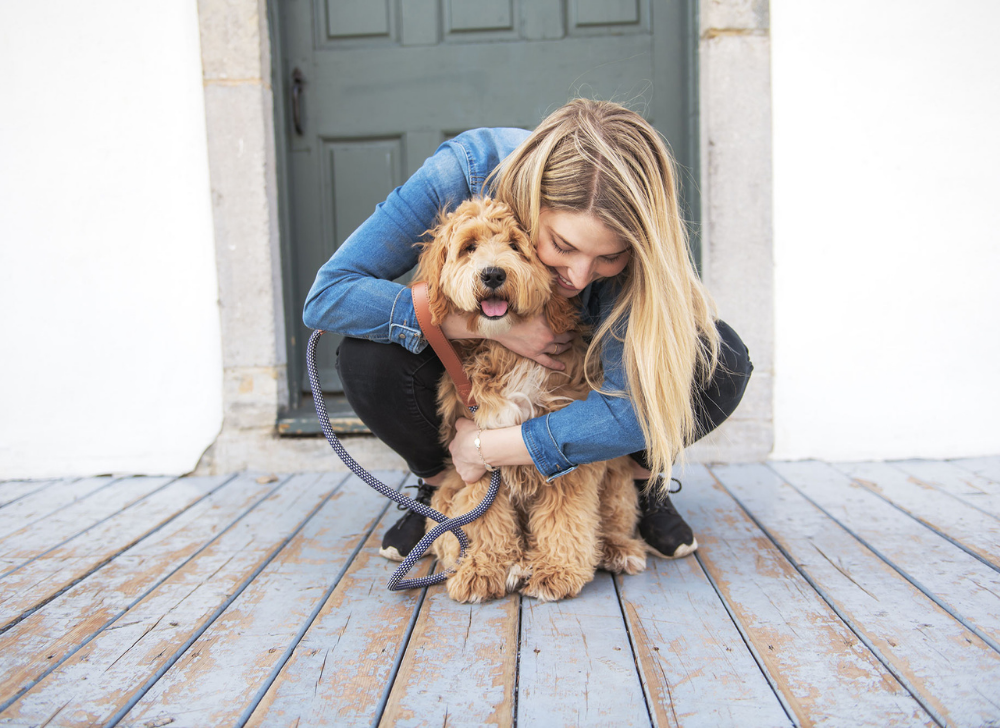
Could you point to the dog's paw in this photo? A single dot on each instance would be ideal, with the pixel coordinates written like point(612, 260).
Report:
point(550, 585)
point(516, 575)
point(624, 557)
point(447, 560)
point(475, 581)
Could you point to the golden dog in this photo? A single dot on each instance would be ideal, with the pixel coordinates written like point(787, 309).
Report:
point(546, 538)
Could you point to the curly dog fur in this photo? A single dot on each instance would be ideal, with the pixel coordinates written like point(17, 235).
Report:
point(546, 539)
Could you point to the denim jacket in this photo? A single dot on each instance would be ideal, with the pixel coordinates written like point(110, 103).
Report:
point(354, 295)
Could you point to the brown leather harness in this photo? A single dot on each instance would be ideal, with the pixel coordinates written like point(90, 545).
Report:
point(442, 347)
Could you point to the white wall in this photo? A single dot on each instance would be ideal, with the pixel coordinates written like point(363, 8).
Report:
point(108, 314)
point(887, 228)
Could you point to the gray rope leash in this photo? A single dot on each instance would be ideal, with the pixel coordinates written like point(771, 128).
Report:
point(445, 524)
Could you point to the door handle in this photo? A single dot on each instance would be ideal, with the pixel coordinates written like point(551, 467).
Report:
point(298, 83)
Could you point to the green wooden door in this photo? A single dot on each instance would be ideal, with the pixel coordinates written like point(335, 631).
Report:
point(386, 81)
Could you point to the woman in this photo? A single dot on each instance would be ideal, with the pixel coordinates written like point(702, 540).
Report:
point(595, 187)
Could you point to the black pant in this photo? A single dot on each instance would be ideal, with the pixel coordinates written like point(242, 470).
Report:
point(394, 392)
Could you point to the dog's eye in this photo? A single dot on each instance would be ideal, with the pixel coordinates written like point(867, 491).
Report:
point(469, 248)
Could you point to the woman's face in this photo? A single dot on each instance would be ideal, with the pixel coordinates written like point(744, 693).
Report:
point(579, 249)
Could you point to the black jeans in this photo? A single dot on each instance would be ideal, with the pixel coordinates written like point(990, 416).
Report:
point(394, 392)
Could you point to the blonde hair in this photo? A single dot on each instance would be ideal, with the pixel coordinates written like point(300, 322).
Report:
point(603, 159)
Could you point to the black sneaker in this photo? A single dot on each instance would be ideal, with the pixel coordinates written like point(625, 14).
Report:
point(663, 529)
point(400, 539)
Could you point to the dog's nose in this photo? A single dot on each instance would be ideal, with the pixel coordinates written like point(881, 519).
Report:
point(493, 277)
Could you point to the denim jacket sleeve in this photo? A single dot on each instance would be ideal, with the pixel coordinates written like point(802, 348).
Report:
point(600, 427)
point(354, 293)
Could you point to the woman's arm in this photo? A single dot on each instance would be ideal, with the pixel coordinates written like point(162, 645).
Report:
point(354, 293)
point(600, 427)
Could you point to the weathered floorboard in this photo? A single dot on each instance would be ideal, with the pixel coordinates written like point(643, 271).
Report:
point(987, 467)
point(577, 666)
point(975, 490)
point(45, 576)
point(927, 650)
point(213, 603)
point(215, 680)
point(954, 578)
point(459, 666)
point(116, 667)
point(31, 540)
point(39, 644)
point(968, 526)
point(33, 508)
point(825, 674)
point(13, 490)
point(339, 673)
point(695, 667)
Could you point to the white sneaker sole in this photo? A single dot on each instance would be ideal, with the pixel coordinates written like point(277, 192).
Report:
point(390, 553)
point(682, 551)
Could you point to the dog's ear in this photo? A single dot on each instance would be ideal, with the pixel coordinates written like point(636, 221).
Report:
point(534, 295)
point(437, 304)
point(561, 314)
point(523, 241)
point(433, 256)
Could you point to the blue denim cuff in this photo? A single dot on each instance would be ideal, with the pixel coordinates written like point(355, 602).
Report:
point(403, 327)
point(544, 449)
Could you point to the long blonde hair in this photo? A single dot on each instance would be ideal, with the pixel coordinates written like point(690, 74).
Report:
point(601, 158)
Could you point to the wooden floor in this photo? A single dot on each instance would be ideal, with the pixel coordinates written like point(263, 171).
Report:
point(822, 594)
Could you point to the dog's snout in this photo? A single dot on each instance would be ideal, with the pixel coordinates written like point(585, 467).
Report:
point(493, 277)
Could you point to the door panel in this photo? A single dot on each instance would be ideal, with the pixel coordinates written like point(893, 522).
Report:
point(351, 18)
point(606, 12)
point(359, 171)
point(466, 15)
point(388, 80)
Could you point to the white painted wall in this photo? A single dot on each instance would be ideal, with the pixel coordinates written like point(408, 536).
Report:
point(108, 314)
point(887, 228)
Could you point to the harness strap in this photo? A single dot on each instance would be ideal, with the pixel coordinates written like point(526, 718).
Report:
point(441, 346)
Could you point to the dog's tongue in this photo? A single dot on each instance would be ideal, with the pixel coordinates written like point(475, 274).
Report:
point(494, 307)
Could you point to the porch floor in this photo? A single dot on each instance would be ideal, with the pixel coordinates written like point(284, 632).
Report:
point(822, 594)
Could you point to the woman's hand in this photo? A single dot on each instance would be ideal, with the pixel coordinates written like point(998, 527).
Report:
point(531, 338)
point(463, 451)
point(534, 339)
